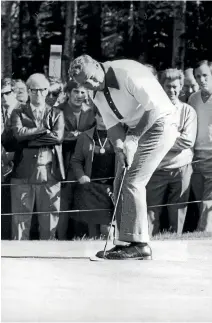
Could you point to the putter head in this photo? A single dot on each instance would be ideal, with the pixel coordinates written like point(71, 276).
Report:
point(95, 258)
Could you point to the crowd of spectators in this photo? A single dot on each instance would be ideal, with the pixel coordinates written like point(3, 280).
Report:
point(56, 158)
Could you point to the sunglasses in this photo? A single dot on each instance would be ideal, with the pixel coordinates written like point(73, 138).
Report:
point(6, 93)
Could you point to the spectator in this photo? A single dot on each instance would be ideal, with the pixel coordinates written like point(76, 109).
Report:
point(38, 162)
point(172, 177)
point(202, 177)
point(8, 104)
point(79, 117)
point(94, 158)
point(56, 93)
point(190, 85)
point(21, 91)
point(8, 100)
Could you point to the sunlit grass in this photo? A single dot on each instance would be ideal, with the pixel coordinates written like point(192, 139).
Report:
point(185, 236)
point(164, 236)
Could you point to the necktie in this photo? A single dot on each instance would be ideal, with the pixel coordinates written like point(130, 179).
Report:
point(38, 116)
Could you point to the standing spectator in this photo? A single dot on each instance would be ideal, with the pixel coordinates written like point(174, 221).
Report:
point(94, 158)
point(171, 180)
point(190, 85)
point(127, 93)
point(38, 162)
point(56, 93)
point(8, 101)
point(202, 177)
point(8, 104)
point(21, 91)
point(79, 117)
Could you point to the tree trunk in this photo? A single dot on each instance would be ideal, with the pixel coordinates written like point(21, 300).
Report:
point(141, 40)
point(94, 30)
point(70, 37)
point(131, 22)
point(6, 48)
point(178, 50)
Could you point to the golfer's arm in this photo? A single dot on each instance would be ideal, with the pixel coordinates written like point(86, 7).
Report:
point(145, 123)
point(117, 135)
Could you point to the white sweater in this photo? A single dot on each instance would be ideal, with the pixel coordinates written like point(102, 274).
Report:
point(204, 121)
point(181, 153)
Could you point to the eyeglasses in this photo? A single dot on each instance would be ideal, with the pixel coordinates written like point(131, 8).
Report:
point(6, 93)
point(35, 91)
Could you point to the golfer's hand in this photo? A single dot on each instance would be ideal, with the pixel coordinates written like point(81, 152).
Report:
point(84, 179)
point(121, 158)
point(130, 148)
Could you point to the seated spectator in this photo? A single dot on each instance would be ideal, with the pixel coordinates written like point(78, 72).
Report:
point(21, 91)
point(172, 177)
point(38, 162)
point(94, 158)
point(202, 177)
point(190, 85)
point(79, 117)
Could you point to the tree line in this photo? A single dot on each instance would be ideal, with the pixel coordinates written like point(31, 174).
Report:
point(162, 33)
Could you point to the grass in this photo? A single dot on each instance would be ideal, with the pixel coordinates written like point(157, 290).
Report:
point(197, 235)
point(167, 236)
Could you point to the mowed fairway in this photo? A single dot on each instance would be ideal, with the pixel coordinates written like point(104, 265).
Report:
point(169, 288)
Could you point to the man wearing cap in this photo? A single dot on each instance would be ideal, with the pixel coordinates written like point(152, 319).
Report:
point(38, 162)
point(79, 117)
point(129, 96)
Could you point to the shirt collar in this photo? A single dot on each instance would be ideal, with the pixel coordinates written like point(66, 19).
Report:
point(110, 77)
point(34, 108)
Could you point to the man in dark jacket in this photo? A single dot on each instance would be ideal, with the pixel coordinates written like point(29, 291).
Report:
point(79, 117)
point(38, 162)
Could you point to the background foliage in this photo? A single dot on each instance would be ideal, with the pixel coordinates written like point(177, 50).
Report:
point(162, 33)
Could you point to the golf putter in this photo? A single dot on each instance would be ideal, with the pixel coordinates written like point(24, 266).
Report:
point(113, 217)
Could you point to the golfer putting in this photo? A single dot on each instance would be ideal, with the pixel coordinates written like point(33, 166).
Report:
point(141, 124)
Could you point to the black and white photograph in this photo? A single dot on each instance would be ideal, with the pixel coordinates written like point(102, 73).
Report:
point(106, 161)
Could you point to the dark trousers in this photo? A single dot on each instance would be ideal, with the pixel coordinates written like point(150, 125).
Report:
point(6, 220)
point(169, 187)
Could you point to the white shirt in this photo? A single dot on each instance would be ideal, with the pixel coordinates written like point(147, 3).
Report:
point(37, 111)
point(139, 91)
point(204, 121)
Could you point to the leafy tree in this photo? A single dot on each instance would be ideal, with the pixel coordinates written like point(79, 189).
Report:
point(6, 46)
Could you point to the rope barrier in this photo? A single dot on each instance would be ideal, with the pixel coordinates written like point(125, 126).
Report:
point(62, 182)
point(98, 210)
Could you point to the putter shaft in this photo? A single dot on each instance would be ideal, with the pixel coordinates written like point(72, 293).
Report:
point(114, 212)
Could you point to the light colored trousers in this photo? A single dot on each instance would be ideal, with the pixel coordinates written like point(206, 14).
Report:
point(46, 197)
point(131, 215)
point(202, 187)
point(169, 186)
